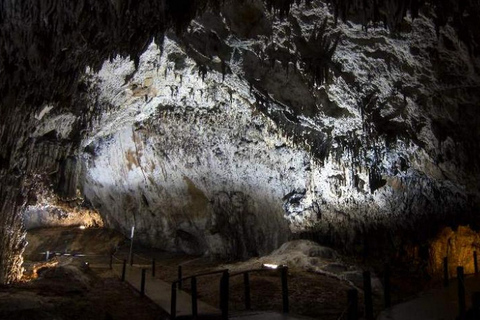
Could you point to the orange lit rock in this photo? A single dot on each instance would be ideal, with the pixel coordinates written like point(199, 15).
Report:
point(458, 246)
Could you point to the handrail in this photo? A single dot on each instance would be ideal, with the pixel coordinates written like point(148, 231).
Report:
point(139, 256)
point(200, 275)
point(70, 254)
point(224, 281)
point(113, 256)
point(283, 270)
point(224, 289)
point(152, 264)
point(255, 270)
point(351, 311)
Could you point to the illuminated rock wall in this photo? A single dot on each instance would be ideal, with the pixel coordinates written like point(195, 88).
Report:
point(190, 163)
point(458, 247)
point(226, 161)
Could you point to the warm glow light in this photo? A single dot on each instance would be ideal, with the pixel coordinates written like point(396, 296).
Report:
point(82, 227)
point(270, 266)
point(33, 274)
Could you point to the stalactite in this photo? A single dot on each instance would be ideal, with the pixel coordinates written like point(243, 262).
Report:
point(317, 52)
point(463, 15)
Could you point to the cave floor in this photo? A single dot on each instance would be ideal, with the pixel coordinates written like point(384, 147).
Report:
point(310, 295)
point(73, 290)
point(438, 303)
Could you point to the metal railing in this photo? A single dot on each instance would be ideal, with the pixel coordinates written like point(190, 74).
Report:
point(194, 292)
point(246, 284)
point(462, 308)
point(352, 303)
point(224, 289)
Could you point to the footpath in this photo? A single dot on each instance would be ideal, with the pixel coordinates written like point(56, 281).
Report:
point(159, 292)
point(436, 304)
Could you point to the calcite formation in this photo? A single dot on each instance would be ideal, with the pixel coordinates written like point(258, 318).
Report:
point(247, 124)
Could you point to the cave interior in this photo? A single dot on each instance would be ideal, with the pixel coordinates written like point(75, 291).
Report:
point(225, 129)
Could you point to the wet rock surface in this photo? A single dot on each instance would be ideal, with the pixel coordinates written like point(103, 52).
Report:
point(458, 246)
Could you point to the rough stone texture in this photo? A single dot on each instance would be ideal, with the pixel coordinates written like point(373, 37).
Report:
point(458, 246)
point(202, 162)
point(248, 124)
point(189, 164)
point(59, 214)
point(45, 49)
point(29, 165)
point(310, 256)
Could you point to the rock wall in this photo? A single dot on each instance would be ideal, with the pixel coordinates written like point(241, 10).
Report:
point(224, 137)
point(46, 48)
point(457, 246)
point(253, 121)
point(32, 161)
point(188, 162)
point(49, 210)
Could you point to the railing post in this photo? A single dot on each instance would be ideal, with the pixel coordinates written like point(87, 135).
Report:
point(142, 283)
point(246, 284)
point(386, 287)
point(180, 277)
point(194, 298)
point(445, 272)
point(130, 257)
point(111, 262)
point(461, 293)
point(153, 267)
point(124, 269)
point(284, 276)
point(352, 303)
point(224, 294)
point(367, 289)
point(475, 262)
point(173, 302)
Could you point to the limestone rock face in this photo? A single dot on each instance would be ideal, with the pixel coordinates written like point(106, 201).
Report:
point(226, 161)
point(255, 120)
point(58, 213)
point(458, 246)
point(186, 160)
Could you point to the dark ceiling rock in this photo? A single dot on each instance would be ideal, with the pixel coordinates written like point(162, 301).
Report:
point(52, 42)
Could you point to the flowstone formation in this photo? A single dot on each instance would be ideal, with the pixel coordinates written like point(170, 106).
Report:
point(224, 134)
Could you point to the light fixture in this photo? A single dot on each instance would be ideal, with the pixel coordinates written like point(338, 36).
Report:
point(82, 227)
point(270, 266)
